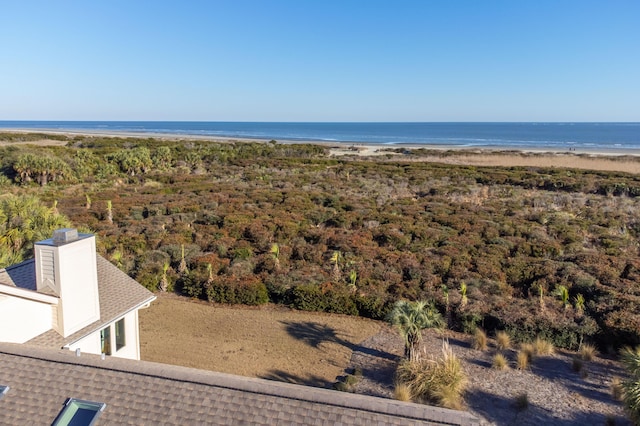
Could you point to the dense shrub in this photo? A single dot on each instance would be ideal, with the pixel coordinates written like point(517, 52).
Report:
point(408, 231)
point(229, 290)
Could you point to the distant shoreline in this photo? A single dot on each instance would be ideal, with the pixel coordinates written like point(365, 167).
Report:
point(620, 160)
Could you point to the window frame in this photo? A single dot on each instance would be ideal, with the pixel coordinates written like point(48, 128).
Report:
point(105, 340)
point(72, 405)
point(120, 334)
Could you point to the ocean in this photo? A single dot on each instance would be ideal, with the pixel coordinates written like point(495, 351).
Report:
point(556, 136)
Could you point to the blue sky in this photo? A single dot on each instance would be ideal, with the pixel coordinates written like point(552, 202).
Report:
point(303, 60)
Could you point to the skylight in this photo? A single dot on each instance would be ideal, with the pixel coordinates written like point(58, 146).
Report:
point(3, 390)
point(77, 412)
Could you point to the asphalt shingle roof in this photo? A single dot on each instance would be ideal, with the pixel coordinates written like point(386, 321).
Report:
point(145, 393)
point(118, 294)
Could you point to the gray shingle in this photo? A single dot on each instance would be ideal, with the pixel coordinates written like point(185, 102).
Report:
point(139, 392)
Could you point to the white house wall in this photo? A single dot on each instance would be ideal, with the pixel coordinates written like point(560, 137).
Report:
point(77, 280)
point(21, 320)
point(92, 344)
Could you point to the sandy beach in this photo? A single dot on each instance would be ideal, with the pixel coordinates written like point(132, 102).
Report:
point(627, 161)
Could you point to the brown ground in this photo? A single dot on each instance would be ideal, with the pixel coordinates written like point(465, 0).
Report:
point(314, 349)
point(268, 342)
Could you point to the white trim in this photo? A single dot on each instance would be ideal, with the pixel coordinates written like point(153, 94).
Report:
point(144, 304)
point(28, 294)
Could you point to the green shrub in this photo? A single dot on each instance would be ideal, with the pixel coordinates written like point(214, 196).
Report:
point(231, 290)
point(630, 358)
point(350, 380)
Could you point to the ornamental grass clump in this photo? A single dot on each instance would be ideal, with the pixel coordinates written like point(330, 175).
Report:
point(402, 392)
point(480, 340)
point(528, 350)
point(522, 360)
point(500, 362)
point(587, 352)
point(503, 340)
point(441, 381)
point(543, 347)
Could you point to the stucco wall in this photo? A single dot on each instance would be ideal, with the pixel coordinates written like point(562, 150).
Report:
point(22, 319)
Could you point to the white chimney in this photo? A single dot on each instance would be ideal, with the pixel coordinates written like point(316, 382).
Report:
point(66, 267)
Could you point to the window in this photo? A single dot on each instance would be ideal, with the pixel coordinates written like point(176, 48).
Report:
point(105, 340)
point(120, 338)
point(77, 412)
point(3, 390)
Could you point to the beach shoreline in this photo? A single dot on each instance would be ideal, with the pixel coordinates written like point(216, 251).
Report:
point(618, 160)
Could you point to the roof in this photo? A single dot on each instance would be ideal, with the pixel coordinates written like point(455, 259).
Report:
point(140, 392)
point(21, 275)
point(118, 294)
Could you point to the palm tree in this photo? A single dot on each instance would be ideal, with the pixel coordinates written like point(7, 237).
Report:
point(411, 318)
point(164, 281)
point(631, 360)
point(563, 293)
point(182, 267)
point(463, 294)
point(275, 252)
point(579, 304)
point(336, 257)
point(23, 221)
point(353, 278)
point(109, 212)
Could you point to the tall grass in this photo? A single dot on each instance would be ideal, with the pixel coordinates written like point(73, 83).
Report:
point(500, 362)
point(527, 349)
point(522, 360)
point(587, 352)
point(503, 340)
point(480, 340)
point(441, 381)
point(402, 392)
point(543, 347)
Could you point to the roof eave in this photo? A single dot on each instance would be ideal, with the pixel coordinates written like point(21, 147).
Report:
point(104, 324)
point(28, 294)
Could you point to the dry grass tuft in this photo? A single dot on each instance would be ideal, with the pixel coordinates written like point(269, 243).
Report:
point(441, 381)
point(503, 340)
point(500, 362)
point(522, 360)
point(588, 352)
point(543, 347)
point(528, 349)
point(480, 340)
point(617, 391)
point(402, 392)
